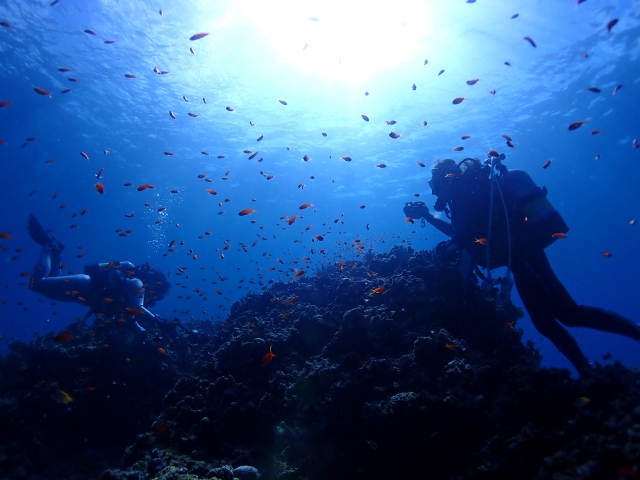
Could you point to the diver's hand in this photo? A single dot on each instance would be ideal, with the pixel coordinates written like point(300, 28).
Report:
point(447, 250)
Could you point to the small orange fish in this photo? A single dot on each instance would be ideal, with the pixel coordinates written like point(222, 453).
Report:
point(377, 290)
point(144, 186)
point(268, 357)
point(530, 40)
point(420, 164)
point(450, 346)
point(291, 220)
point(42, 92)
point(381, 165)
point(99, 188)
point(410, 220)
point(84, 210)
point(162, 351)
point(346, 158)
point(129, 75)
point(546, 164)
point(134, 311)
point(473, 82)
point(450, 175)
point(595, 132)
point(5, 236)
point(299, 274)
point(305, 205)
point(611, 24)
point(395, 135)
point(63, 337)
point(458, 149)
point(458, 100)
point(576, 125)
point(198, 36)
point(606, 255)
point(169, 154)
point(107, 300)
point(481, 241)
point(559, 235)
point(465, 137)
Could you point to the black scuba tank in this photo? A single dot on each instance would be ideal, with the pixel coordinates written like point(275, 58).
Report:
point(535, 219)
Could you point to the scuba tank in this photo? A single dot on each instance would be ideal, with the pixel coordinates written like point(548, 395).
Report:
point(535, 219)
point(106, 282)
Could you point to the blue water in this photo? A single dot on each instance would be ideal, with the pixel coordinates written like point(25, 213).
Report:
point(254, 55)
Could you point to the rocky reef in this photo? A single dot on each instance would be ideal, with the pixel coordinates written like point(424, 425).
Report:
point(387, 367)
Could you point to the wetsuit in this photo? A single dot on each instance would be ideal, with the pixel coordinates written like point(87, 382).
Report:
point(107, 289)
point(547, 301)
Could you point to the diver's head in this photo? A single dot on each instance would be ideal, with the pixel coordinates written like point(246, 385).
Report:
point(155, 282)
point(443, 175)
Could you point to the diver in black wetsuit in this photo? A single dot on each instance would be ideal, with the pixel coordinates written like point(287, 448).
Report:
point(521, 225)
point(108, 289)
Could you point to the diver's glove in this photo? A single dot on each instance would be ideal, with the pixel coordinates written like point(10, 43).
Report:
point(447, 250)
point(416, 210)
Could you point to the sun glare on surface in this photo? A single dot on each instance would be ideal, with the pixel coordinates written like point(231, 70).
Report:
point(339, 39)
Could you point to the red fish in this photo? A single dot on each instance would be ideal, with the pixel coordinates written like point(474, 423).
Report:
point(381, 165)
point(172, 115)
point(305, 205)
point(84, 155)
point(192, 114)
point(90, 32)
point(606, 255)
point(481, 241)
point(458, 149)
point(63, 337)
point(246, 211)
point(42, 92)
point(169, 154)
point(611, 24)
point(346, 158)
point(458, 100)
point(299, 274)
point(559, 235)
point(546, 164)
point(291, 220)
point(473, 82)
point(198, 36)
point(99, 188)
point(595, 132)
point(420, 164)
point(5, 104)
point(594, 89)
point(109, 42)
point(377, 290)
point(465, 137)
point(129, 75)
point(616, 88)
point(530, 40)
point(144, 186)
point(395, 135)
point(212, 192)
point(576, 125)
point(5, 24)
point(282, 102)
point(450, 346)
point(268, 357)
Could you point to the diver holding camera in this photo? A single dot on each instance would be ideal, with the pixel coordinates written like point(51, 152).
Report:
point(501, 218)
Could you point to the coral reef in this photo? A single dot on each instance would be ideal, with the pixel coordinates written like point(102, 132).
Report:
point(390, 367)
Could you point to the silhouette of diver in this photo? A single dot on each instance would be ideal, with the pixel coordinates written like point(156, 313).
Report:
point(108, 289)
point(513, 234)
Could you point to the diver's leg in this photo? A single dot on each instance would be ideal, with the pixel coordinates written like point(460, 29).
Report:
point(570, 313)
point(601, 319)
point(539, 301)
point(70, 288)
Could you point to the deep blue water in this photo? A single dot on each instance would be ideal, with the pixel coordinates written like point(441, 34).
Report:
point(255, 55)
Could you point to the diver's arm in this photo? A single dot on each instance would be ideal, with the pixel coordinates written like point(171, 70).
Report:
point(440, 224)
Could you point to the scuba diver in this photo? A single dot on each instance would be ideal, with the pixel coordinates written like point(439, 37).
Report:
point(500, 218)
point(108, 289)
